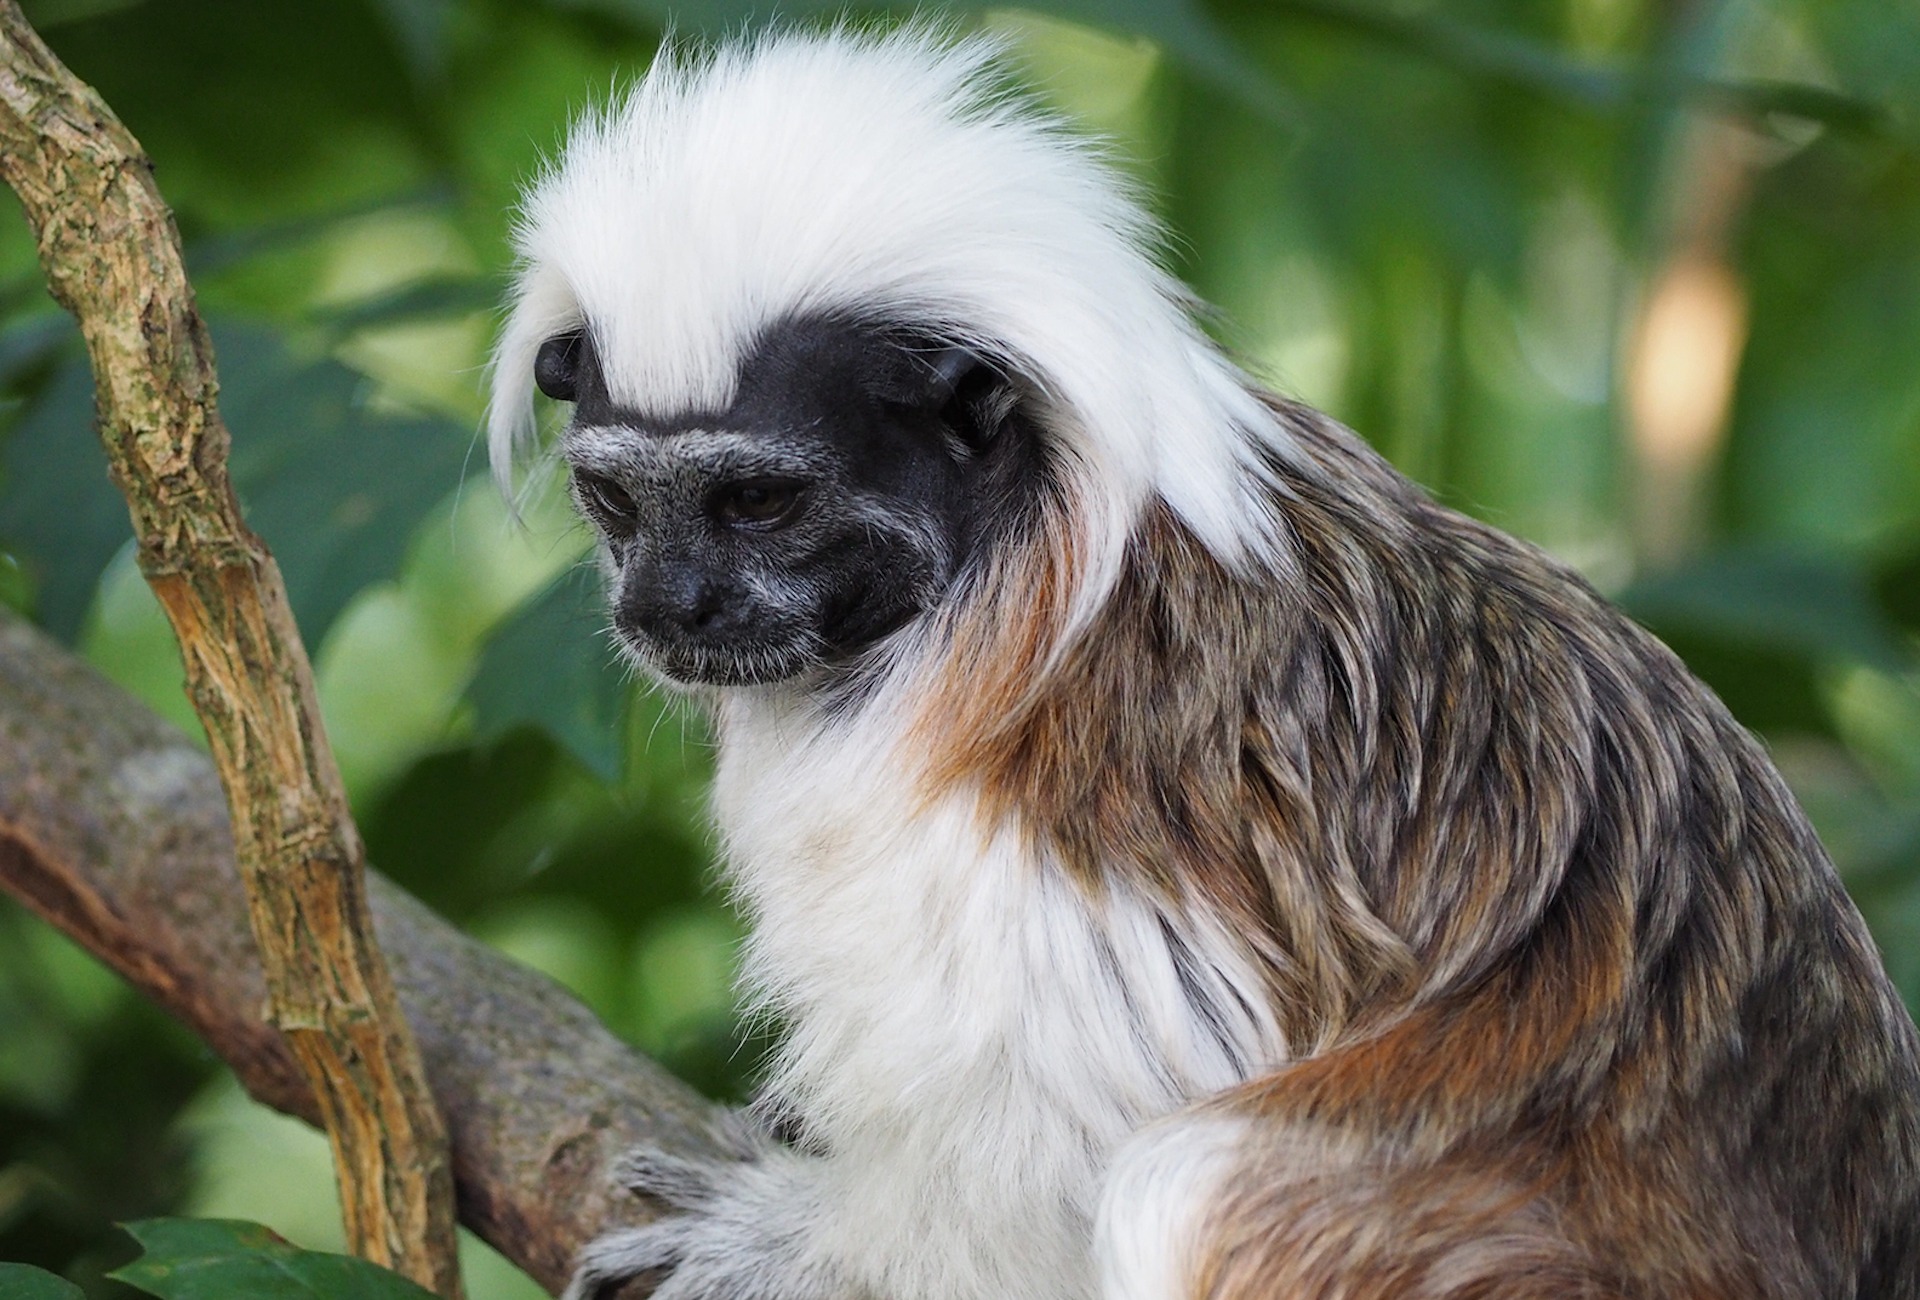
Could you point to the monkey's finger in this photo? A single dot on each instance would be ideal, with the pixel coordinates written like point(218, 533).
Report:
point(680, 1182)
point(619, 1257)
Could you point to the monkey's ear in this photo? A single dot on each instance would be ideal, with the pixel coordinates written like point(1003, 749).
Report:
point(556, 367)
point(967, 392)
point(945, 369)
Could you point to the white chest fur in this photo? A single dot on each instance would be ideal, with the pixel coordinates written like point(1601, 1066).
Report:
point(972, 1031)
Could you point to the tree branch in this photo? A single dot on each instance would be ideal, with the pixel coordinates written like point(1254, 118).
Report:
point(112, 826)
point(112, 257)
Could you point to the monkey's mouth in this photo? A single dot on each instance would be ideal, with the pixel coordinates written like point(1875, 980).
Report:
point(691, 664)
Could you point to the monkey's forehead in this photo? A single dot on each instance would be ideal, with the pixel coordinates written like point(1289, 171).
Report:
point(813, 174)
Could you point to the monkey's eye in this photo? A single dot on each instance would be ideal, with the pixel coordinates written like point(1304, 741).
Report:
point(605, 502)
point(757, 503)
point(556, 367)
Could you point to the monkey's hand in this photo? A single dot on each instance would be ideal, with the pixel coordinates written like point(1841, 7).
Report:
point(735, 1230)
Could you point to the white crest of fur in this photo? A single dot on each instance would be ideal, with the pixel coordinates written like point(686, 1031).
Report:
point(891, 177)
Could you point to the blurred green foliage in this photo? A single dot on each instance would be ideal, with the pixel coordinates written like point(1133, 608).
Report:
point(1451, 224)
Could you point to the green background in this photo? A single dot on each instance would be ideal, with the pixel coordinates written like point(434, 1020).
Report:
point(1451, 224)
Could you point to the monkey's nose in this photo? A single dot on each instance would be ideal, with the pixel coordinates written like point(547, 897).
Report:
point(683, 602)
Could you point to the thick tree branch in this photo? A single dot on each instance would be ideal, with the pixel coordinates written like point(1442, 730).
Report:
point(112, 257)
point(113, 827)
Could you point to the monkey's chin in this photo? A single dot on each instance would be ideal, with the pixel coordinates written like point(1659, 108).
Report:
point(697, 667)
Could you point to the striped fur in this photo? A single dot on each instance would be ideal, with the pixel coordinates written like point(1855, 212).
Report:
point(1582, 1007)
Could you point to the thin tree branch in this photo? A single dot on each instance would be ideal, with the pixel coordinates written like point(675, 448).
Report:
point(112, 826)
point(112, 257)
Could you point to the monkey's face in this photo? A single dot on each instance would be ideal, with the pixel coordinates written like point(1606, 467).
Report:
point(831, 503)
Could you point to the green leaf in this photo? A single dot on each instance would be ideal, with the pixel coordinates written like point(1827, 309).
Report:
point(24, 1282)
point(1194, 37)
point(214, 252)
point(220, 1259)
point(272, 127)
point(334, 487)
point(550, 666)
point(32, 340)
point(58, 512)
point(1810, 605)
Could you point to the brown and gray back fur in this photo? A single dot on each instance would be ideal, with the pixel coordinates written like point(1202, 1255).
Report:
point(1577, 1001)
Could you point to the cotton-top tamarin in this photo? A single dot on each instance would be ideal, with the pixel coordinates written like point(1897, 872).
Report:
point(1189, 861)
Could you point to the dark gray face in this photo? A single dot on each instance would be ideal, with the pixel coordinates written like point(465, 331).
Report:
point(842, 494)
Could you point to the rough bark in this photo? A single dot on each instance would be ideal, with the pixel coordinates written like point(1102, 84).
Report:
point(112, 257)
point(113, 827)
